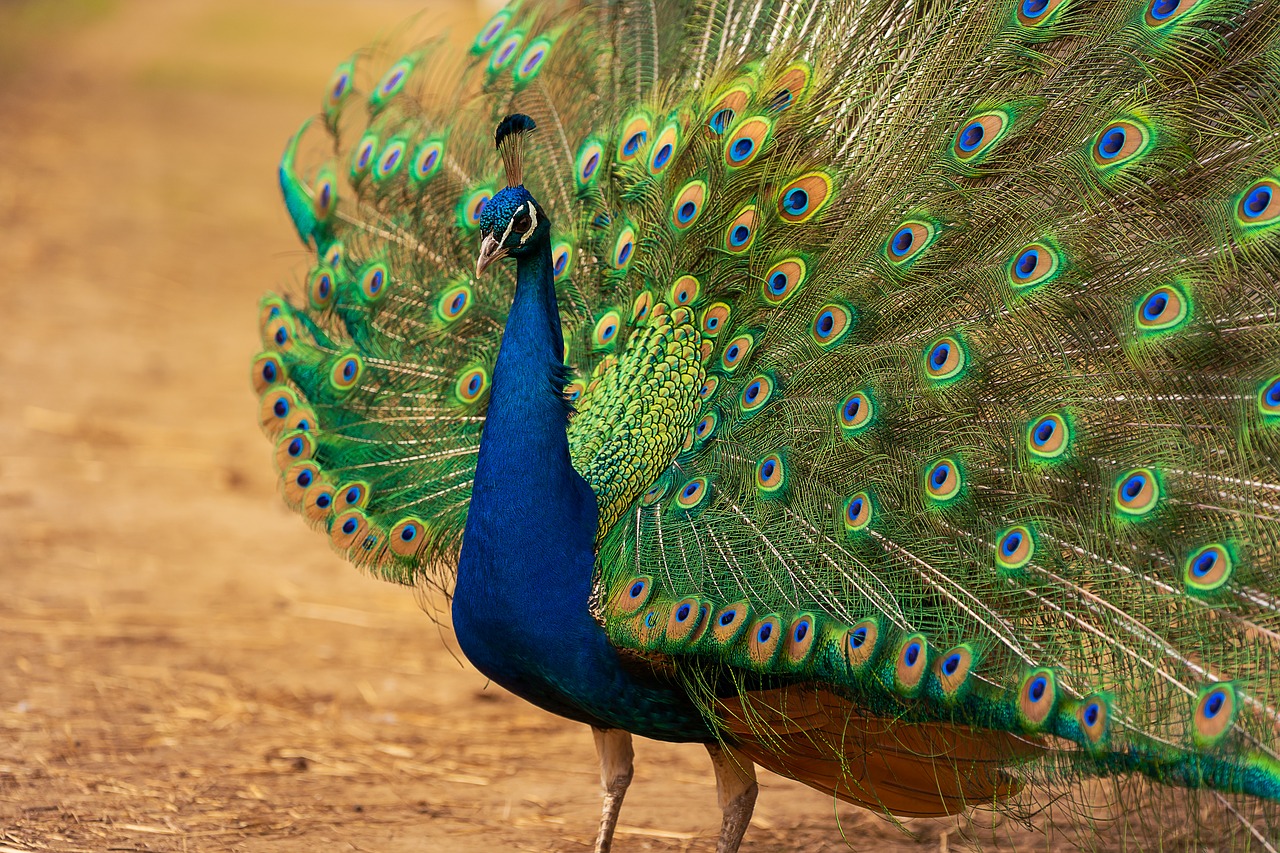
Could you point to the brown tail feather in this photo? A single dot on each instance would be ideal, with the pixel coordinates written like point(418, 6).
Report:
point(908, 769)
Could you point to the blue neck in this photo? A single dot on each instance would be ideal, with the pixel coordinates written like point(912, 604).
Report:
point(520, 607)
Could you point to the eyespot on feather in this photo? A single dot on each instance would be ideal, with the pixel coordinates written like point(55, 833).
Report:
point(1137, 492)
point(632, 596)
point(349, 530)
point(1036, 13)
point(736, 352)
point(803, 198)
point(908, 240)
point(726, 108)
point(1033, 265)
point(353, 494)
point(1259, 205)
point(292, 448)
point(912, 661)
point(334, 255)
point(856, 412)
point(860, 644)
point(746, 141)
point(755, 394)
point(1269, 398)
point(531, 61)
point(506, 51)
point(1037, 696)
point(741, 232)
point(1207, 569)
point(729, 622)
point(715, 319)
point(1214, 715)
point(952, 670)
point(943, 481)
point(1015, 547)
point(708, 388)
point(607, 329)
point(408, 537)
point(489, 33)
point(945, 359)
point(471, 384)
point(346, 372)
point(1163, 309)
point(801, 634)
point(624, 248)
point(705, 427)
point(687, 615)
point(297, 480)
point(587, 166)
point(340, 87)
point(1118, 144)
point(390, 161)
point(275, 408)
point(771, 476)
point(317, 502)
point(427, 160)
point(783, 280)
point(266, 372)
point(320, 288)
point(1161, 13)
point(693, 494)
point(791, 86)
point(764, 640)
point(664, 149)
point(978, 135)
point(831, 325)
point(280, 332)
point(1093, 713)
point(454, 302)
point(688, 204)
point(685, 291)
point(634, 138)
point(470, 206)
point(1048, 436)
point(858, 511)
point(324, 199)
point(362, 156)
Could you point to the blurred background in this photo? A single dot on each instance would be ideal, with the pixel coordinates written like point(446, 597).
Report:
point(184, 666)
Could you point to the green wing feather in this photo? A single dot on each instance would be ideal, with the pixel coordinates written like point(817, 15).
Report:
point(925, 358)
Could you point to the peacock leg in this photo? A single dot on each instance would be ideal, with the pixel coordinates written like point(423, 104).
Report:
point(614, 748)
point(736, 791)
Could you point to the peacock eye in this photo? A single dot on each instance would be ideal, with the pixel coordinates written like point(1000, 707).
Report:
point(521, 224)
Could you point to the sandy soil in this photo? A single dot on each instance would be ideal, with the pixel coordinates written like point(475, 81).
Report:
point(183, 665)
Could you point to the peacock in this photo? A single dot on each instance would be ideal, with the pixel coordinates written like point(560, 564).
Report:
point(885, 393)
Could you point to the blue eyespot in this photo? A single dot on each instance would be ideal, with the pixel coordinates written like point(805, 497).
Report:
point(855, 510)
point(304, 478)
point(938, 357)
point(690, 490)
point(721, 120)
point(326, 194)
point(1204, 563)
point(796, 201)
point(971, 136)
point(624, 254)
point(851, 408)
point(1027, 263)
point(857, 637)
point(911, 654)
point(636, 589)
point(323, 500)
point(1213, 706)
point(902, 241)
point(726, 618)
point(304, 425)
point(753, 391)
point(738, 236)
point(1091, 714)
point(686, 211)
point(765, 632)
point(1162, 9)
point(349, 369)
point(1011, 543)
point(826, 322)
point(1033, 8)
point(951, 664)
point(1155, 305)
point(940, 475)
point(664, 154)
point(633, 144)
point(473, 387)
point(295, 447)
point(802, 631)
point(778, 282)
point(682, 613)
point(590, 168)
point(392, 81)
point(1111, 142)
point(1257, 201)
point(532, 62)
point(1272, 395)
point(281, 408)
point(282, 335)
point(409, 533)
point(375, 281)
point(732, 353)
point(269, 371)
point(766, 470)
point(340, 86)
point(1036, 689)
point(1043, 432)
point(430, 162)
point(353, 495)
point(607, 333)
point(349, 526)
point(458, 302)
point(1133, 486)
point(742, 149)
point(650, 619)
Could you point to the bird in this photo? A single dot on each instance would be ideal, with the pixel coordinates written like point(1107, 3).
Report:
point(885, 393)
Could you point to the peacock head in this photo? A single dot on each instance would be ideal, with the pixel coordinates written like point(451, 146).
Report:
point(512, 223)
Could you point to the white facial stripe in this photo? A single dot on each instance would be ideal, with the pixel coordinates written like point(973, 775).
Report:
point(533, 216)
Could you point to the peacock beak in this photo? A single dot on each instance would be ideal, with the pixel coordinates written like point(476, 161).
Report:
point(490, 251)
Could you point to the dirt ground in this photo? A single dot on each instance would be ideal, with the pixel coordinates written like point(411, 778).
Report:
point(184, 666)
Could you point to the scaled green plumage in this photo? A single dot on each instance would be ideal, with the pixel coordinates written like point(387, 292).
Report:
point(934, 346)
